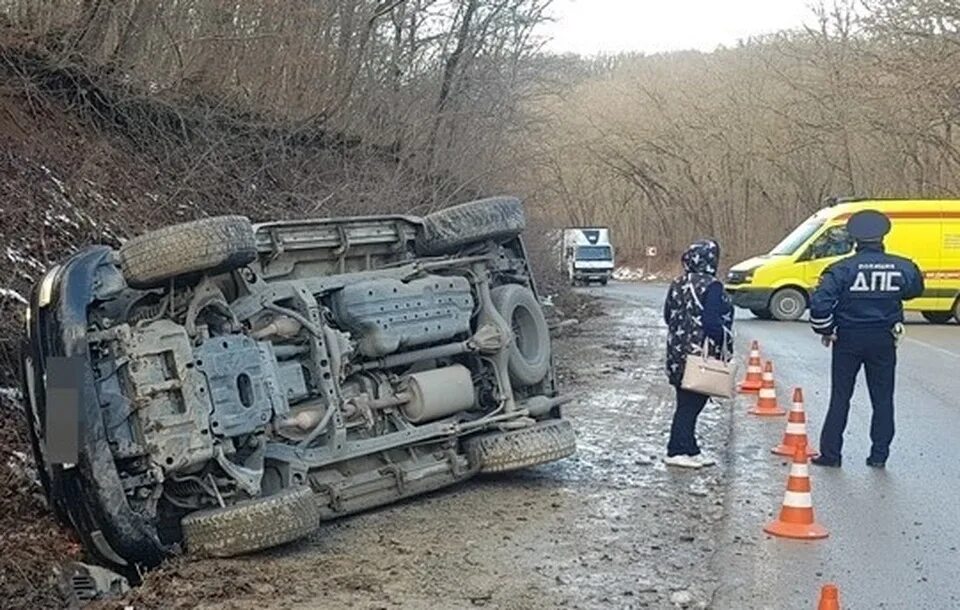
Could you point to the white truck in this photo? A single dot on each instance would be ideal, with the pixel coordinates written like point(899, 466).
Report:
point(587, 254)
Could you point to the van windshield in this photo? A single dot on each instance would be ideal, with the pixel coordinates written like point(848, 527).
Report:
point(593, 253)
point(799, 236)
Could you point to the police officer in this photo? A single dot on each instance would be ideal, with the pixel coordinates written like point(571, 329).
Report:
point(858, 310)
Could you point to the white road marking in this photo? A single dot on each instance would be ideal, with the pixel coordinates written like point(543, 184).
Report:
point(933, 347)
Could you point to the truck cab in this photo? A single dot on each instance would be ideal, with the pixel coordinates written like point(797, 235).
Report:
point(588, 255)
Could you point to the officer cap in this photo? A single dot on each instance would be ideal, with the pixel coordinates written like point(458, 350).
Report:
point(868, 225)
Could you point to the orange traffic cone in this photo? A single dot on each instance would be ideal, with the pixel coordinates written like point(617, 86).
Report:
point(829, 598)
point(796, 433)
point(767, 397)
point(753, 380)
point(796, 516)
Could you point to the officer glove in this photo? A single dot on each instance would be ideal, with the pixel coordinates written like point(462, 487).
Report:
point(898, 333)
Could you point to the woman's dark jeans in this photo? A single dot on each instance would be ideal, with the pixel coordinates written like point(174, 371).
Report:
point(683, 438)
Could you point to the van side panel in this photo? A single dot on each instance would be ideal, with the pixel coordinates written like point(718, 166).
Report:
point(916, 234)
point(947, 279)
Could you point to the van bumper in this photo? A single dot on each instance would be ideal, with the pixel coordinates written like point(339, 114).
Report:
point(750, 298)
point(592, 275)
point(90, 491)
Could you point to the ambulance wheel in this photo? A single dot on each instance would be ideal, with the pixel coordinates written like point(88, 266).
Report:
point(937, 317)
point(788, 304)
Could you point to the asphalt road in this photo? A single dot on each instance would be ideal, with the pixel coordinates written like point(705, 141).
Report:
point(894, 534)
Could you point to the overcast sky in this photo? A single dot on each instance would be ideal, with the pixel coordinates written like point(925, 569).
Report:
point(588, 27)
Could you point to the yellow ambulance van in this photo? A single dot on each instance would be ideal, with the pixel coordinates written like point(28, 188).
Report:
point(778, 285)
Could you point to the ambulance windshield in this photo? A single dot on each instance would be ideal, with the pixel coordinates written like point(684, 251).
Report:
point(797, 238)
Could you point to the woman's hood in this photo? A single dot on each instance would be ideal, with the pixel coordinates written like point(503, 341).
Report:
point(702, 256)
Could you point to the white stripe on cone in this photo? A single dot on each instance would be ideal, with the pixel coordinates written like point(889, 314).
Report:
point(796, 499)
point(797, 406)
point(754, 369)
point(799, 471)
point(768, 376)
point(768, 393)
point(796, 429)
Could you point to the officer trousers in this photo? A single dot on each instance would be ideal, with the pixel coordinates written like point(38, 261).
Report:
point(876, 351)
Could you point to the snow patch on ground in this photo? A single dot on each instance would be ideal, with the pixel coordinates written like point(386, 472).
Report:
point(7, 293)
point(637, 274)
point(628, 274)
point(13, 394)
point(18, 257)
point(54, 179)
point(11, 399)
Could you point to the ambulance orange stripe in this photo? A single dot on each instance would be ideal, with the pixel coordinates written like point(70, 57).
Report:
point(912, 215)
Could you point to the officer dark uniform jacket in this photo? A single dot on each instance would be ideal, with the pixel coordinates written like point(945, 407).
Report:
point(859, 303)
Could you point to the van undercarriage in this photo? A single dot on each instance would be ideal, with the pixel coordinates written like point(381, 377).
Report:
point(238, 383)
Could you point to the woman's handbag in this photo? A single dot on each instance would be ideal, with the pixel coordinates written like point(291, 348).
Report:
point(705, 374)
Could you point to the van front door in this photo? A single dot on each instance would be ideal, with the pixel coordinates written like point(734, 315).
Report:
point(828, 247)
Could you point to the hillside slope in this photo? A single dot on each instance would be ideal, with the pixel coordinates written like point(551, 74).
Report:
point(89, 160)
point(85, 162)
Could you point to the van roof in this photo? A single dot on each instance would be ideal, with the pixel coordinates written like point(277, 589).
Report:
point(842, 208)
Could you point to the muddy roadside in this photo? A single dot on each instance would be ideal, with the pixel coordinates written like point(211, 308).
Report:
point(610, 527)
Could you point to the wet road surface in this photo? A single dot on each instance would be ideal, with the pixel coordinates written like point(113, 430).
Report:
point(894, 534)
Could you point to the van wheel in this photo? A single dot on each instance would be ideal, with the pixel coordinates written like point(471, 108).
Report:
point(209, 245)
point(529, 360)
point(937, 317)
point(545, 441)
point(252, 525)
point(447, 231)
point(788, 304)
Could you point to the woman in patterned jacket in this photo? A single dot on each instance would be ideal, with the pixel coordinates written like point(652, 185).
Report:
point(697, 308)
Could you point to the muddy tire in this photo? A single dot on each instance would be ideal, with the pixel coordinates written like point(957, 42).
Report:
point(447, 231)
point(529, 359)
point(546, 441)
point(252, 525)
point(210, 245)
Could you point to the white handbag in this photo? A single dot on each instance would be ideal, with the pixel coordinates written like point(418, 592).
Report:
point(705, 374)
